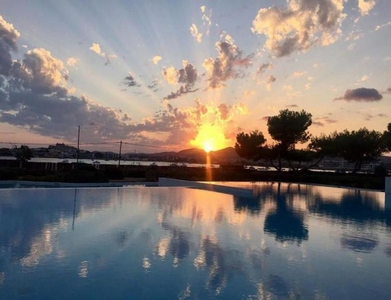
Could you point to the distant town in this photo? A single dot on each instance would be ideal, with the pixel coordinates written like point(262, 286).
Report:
point(194, 155)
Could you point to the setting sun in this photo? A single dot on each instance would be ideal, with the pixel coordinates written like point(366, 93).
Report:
point(210, 138)
point(208, 146)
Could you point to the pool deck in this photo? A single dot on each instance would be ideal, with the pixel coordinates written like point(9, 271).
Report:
point(45, 184)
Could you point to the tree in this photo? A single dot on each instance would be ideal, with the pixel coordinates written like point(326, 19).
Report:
point(387, 137)
point(354, 146)
point(249, 145)
point(23, 154)
point(288, 128)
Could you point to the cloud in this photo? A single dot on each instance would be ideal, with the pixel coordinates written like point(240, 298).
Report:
point(40, 72)
point(96, 48)
point(271, 79)
point(181, 91)
point(153, 86)
point(206, 18)
point(265, 118)
point(263, 67)
point(170, 75)
point(364, 78)
point(109, 57)
point(354, 35)
point(227, 63)
point(369, 117)
point(72, 61)
point(195, 33)
point(298, 74)
point(186, 76)
point(34, 95)
point(361, 95)
point(323, 120)
point(378, 27)
point(8, 38)
point(365, 6)
point(269, 82)
point(303, 24)
point(156, 59)
point(317, 123)
point(130, 81)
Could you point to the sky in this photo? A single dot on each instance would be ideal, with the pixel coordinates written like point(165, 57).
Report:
point(178, 74)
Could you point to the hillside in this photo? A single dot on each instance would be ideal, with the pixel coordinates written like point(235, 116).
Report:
point(195, 154)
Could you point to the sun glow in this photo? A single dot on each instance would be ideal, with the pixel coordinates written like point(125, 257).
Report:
point(210, 138)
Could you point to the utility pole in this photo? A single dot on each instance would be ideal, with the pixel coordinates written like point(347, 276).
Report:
point(119, 155)
point(78, 146)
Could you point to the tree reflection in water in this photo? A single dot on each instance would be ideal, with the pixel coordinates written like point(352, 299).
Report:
point(284, 222)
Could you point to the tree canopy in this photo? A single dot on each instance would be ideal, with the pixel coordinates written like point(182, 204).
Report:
point(23, 154)
point(354, 146)
point(387, 137)
point(290, 127)
point(248, 145)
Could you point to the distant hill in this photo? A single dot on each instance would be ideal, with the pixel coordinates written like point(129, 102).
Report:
point(194, 154)
point(226, 154)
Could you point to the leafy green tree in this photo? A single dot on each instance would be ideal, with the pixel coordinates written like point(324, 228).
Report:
point(22, 154)
point(249, 145)
point(288, 128)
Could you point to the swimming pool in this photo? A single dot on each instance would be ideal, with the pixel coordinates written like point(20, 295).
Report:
point(292, 241)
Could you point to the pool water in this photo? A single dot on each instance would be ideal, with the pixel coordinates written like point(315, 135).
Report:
point(291, 242)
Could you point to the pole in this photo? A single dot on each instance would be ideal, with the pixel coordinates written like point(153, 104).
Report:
point(119, 155)
point(78, 146)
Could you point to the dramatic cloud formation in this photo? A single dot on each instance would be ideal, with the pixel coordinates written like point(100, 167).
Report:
point(301, 25)
point(361, 95)
point(156, 59)
point(227, 63)
point(187, 76)
point(39, 72)
point(35, 96)
point(195, 33)
point(8, 37)
point(365, 6)
point(130, 81)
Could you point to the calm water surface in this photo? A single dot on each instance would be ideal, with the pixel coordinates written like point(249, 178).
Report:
point(292, 242)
